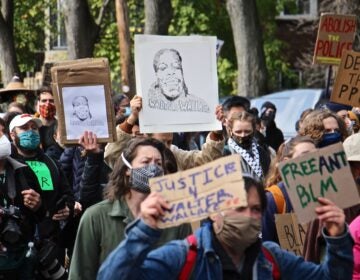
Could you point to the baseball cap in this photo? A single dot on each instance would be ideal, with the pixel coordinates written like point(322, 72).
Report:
point(22, 119)
point(352, 147)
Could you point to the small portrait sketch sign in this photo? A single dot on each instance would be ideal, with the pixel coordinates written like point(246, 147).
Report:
point(176, 76)
point(83, 98)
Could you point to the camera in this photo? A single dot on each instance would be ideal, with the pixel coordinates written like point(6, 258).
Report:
point(49, 266)
point(11, 232)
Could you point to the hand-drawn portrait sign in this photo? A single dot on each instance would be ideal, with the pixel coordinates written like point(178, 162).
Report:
point(324, 173)
point(346, 88)
point(335, 34)
point(83, 99)
point(195, 193)
point(177, 79)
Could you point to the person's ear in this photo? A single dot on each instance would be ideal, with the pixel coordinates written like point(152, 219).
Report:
point(128, 172)
point(12, 135)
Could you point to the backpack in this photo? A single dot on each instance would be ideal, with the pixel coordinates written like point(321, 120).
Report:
point(278, 197)
point(189, 265)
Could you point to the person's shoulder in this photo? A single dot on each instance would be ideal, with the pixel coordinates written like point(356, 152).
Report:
point(98, 209)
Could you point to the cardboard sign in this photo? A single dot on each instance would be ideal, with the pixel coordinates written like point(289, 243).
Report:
point(324, 173)
point(335, 34)
point(82, 93)
point(291, 234)
point(195, 193)
point(346, 88)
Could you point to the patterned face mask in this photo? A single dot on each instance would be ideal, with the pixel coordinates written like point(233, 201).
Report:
point(139, 178)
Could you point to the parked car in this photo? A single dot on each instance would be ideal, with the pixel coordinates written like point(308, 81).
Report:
point(290, 104)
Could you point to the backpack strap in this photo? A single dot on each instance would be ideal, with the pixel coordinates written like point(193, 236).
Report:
point(278, 197)
point(270, 257)
point(189, 265)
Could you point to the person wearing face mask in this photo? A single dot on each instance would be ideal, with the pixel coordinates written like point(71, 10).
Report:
point(21, 194)
point(46, 112)
point(273, 135)
point(57, 197)
point(342, 111)
point(255, 160)
point(102, 226)
point(227, 246)
point(324, 127)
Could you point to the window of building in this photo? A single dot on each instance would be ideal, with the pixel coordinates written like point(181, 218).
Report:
point(292, 9)
point(57, 24)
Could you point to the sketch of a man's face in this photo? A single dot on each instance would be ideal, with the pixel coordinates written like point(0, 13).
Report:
point(81, 108)
point(169, 74)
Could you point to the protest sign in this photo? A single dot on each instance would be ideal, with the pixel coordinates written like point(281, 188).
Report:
point(82, 93)
point(324, 173)
point(291, 234)
point(346, 88)
point(176, 76)
point(335, 34)
point(195, 193)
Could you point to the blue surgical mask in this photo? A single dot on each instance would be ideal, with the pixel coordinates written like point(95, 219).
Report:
point(29, 140)
point(329, 139)
point(127, 111)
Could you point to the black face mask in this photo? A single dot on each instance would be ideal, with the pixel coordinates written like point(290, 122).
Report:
point(268, 117)
point(244, 141)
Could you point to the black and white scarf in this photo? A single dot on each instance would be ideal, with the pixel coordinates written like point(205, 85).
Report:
point(253, 162)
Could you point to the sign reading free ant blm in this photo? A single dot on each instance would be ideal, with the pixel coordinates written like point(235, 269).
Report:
point(324, 173)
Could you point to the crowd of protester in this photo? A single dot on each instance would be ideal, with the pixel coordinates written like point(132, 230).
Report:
point(86, 211)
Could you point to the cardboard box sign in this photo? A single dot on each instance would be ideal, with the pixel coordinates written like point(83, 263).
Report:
point(335, 34)
point(82, 93)
point(291, 234)
point(196, 193)
point(324, 173)
point(346, 88)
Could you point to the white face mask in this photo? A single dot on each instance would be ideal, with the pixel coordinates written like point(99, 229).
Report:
point(5, 147)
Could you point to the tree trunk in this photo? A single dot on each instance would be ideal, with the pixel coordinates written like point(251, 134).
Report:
point(81, 29)
point(8, 61)
point(158, 15)
point(127, 67)
point(252, 73)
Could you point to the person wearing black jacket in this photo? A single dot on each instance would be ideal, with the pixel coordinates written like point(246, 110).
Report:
point(56, 194)
point(273, 135)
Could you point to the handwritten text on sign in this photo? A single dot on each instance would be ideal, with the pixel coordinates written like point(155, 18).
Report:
point(335, 34)
point(42, 173)
point(323, 173)
point(291, 234)
point(347, 84)
point(195, 193)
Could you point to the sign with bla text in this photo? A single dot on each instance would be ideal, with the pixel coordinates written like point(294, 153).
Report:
point(335, 34)
point(324, 173)
point(195, 193)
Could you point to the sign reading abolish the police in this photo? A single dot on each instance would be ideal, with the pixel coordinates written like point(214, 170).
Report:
point(335, 34)
point(347, 84)
point(324, 173)
point(291, 234)
point(195, 193)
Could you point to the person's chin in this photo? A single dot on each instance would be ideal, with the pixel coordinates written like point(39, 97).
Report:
point(171, 94)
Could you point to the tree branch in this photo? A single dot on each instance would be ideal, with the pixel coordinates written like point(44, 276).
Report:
point(102, 12)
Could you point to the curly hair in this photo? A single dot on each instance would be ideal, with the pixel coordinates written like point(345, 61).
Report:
point(242, 116)
point(118, 185)
point(313, 125)
point(286, 150)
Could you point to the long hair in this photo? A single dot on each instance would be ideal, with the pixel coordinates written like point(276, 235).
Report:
point(313, 125)
point(286, 150)
point(118, 185)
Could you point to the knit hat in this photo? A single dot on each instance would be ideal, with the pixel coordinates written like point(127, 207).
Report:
point(236, 101)
point(336, 107)
point(266, 106)
point(351, 147)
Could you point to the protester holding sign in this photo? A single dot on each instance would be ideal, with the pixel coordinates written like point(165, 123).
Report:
point(254, 159)
point(227, 246)
point(212, 149)
point(277, 197)
point(102, 226)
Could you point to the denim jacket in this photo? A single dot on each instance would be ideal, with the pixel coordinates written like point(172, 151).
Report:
point(133, 258)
